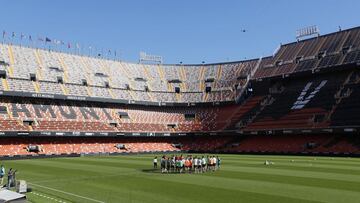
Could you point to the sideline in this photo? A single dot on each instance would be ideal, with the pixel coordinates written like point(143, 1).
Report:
point(44, 196)
point(68, 193)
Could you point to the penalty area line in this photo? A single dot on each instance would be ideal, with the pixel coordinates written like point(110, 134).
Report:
point(68, 193)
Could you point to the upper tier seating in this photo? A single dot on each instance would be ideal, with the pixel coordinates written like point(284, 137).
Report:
point(319, 52)
point(95, 77)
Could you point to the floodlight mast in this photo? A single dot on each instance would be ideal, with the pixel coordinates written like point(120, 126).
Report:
point(307, 31)
point(144, 57)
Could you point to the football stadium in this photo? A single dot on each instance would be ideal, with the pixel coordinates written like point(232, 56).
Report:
point(79, 123)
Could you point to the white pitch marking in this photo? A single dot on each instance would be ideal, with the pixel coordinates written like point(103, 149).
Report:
point(68, 193)
point(40, 195)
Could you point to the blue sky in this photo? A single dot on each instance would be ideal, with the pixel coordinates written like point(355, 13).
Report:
point(190, 31)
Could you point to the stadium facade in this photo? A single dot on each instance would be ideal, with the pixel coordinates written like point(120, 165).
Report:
point(303, 99)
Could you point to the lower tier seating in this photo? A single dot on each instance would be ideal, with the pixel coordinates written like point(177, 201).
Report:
point(316, 144)
point(58, 145)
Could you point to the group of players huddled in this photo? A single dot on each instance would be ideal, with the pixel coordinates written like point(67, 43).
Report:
point(188, 164)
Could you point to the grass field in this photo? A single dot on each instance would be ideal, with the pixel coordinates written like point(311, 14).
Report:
point(242, 178)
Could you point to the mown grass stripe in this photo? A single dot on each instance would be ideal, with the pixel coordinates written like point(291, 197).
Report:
point(289, 179)
point(298, 173)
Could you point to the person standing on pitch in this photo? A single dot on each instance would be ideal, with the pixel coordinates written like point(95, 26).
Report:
point(214, 163)
point(2, 174)
point(155, 162)
point(163, 164)
point(218, 162)
point(10, 178)
point(195, 164)
point(203, 162)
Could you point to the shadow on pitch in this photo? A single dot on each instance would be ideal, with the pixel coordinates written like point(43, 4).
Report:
point(158, 171)
point(151, 170)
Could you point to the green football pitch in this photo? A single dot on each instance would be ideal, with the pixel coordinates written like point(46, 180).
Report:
point(242, 178)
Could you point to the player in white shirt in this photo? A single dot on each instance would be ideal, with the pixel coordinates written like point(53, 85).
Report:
point(215, 163)
point(203, 164)
point(195, 164)
point(155, 162)
point(200, 165)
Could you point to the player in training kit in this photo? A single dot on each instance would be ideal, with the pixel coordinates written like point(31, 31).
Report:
point(203, 162)
point(196, 164)
point(155, 162)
